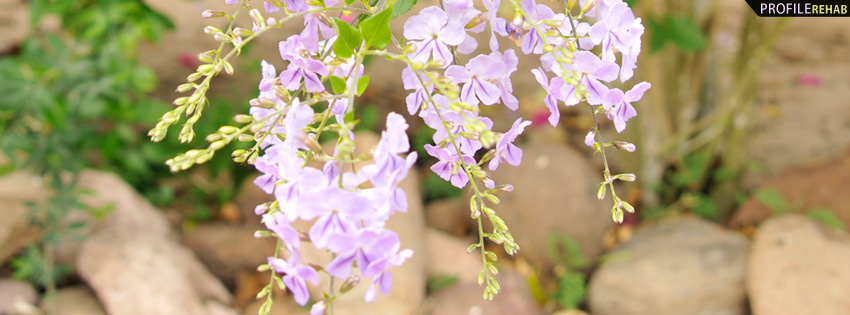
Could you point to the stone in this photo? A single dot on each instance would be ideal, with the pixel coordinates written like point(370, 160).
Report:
point(77, 300)
point(682, 265)
point(816, 186)
point(135, 273)
point(799, 267)
point(15, 27)
point(227, 249)
point(14, 292)
point(466, 298)
point(447, 257)
point(16, 190)
point(448, 215)
point(554, 192)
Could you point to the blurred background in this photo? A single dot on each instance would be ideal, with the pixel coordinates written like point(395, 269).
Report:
point(743, 163)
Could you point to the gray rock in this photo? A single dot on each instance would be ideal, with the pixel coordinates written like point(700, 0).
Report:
point(16, 190)
point(447, 257)
point(466, 298)
point(134, 265)
point(133, 273)
point(227, 248)
point(77, 300)
point(683, 265)
point(554, 192)
point(799, 267)
point(13, 292)
point(448, 215)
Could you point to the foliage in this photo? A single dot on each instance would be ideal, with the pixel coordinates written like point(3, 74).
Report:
point(71, 101)
point(571, 289)
point(779, 205)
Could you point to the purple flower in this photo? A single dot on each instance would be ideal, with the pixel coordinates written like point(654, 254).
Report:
point(556, 90)
point(592, 70)
point(300, 68)
point(313, 26)
point(383, 279)
point(590, 138)
point(296, 277)
point(614, 31)
point(618, 104)
point(420, 94)
point(365, 246)
point(462, 12)
point(449, 167)
point(531, 42)
point(337, 210)
point(497, 24)
point(432, 33)
point(506, 151)
point(475, 78)
point(282, 227)
point(508, 65)
point(231, 2)
point(296, 6)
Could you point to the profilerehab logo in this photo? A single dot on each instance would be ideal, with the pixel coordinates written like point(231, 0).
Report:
point(799, 7)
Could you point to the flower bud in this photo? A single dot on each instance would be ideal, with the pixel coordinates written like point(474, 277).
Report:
point(228, 130)
point(194, 77)
point(245, 137)
point(223, 38)
point(257, 17)
point(209, 14)
point(628, 177)
point(600, 194)
point(215, 146)
point(590, 4)
point(571, 4)
point(213, 137)
point(319, 307)
point(242, 32)
point(553, 23)
point(185, 87)
point(212, 30)
point(478, 20)
point(349, 284)
point(625, 146)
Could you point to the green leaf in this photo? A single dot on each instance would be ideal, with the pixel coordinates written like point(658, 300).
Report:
point(338, 84)
point(685, 33)
point(376, 29)
point(773, 200)
point(826, 217)
point(349, 39)
point(402, 6)
point(362, 83)
point(658, 34)
point(144, 79)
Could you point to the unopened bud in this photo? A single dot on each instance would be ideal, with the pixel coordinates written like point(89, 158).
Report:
point(209, 14)
point(194, 77)
point(243, 119)
point(257, 17)
point(553, 23)
point(478, 20)
point(185, 87)
point(213, 137)
point(437, 63)
point(349, 283)
point(410, 48)
point(571, 4)
point(228, 130)
point(319, 307)
point(625, 146)
point(590, 4)
point(221, 37)
point(215, 146)
point(242, 32)
point(628, 177)
point(212, 30)
point(600, 194)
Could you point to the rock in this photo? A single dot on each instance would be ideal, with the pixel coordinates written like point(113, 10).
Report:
point(14, 292)
point(16, 190)
point(77, 300)
point(134, 265)
point(134, 273)
point(227, 249)
point(447, 257)
point(248, 197)
point(799, 267)
point(683, 265)
point(15, 27)
point(554, 192)
point(822, 186)
point(448, 215)
point(466, 298)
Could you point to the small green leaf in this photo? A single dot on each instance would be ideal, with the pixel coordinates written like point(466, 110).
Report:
point(402, 6)
point(685, 33)
point(349, 39)
point(362, 83)
point(826, 217)
point(376, 29)
point(338, 84)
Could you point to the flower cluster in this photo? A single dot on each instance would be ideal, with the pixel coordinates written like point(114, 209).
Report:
point(319, 198)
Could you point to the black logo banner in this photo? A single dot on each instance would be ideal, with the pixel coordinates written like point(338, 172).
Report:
point(800, 7)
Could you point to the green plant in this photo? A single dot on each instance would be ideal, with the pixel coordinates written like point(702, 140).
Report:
point(570, 291)
point(779, 205)
point(70, 101)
